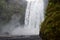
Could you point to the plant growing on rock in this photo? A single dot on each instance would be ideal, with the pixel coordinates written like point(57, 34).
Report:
point(50, 28)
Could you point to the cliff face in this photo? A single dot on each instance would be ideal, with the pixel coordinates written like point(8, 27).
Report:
point(50, 28)
point(10, 7)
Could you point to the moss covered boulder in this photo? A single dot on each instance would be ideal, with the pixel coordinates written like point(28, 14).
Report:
point(50, 28)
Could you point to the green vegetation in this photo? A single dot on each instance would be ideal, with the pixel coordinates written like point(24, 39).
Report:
point(50, 28)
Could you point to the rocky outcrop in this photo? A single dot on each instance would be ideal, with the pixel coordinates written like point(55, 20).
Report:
point(10, 7)
point(50, 28)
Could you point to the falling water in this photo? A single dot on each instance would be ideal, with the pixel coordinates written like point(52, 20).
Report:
point(34, 16)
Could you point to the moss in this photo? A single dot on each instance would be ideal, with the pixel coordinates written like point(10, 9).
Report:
point(50, 28)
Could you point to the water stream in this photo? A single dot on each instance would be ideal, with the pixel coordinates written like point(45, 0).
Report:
point(34, 16)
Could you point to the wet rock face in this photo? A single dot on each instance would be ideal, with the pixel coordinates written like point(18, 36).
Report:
point(22, 5)
point(20, 2)
point(10, 7)
point(50, 28)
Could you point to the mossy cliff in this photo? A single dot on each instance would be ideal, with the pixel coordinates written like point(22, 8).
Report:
point(50, 28)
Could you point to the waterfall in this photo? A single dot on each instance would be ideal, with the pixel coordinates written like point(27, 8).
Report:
point(34, 15)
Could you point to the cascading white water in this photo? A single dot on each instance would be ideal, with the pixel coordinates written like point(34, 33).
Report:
point(33, 17)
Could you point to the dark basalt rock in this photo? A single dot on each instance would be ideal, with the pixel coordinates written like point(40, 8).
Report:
point(20, 38)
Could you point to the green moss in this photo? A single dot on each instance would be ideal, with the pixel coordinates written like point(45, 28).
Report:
point(50, 28)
